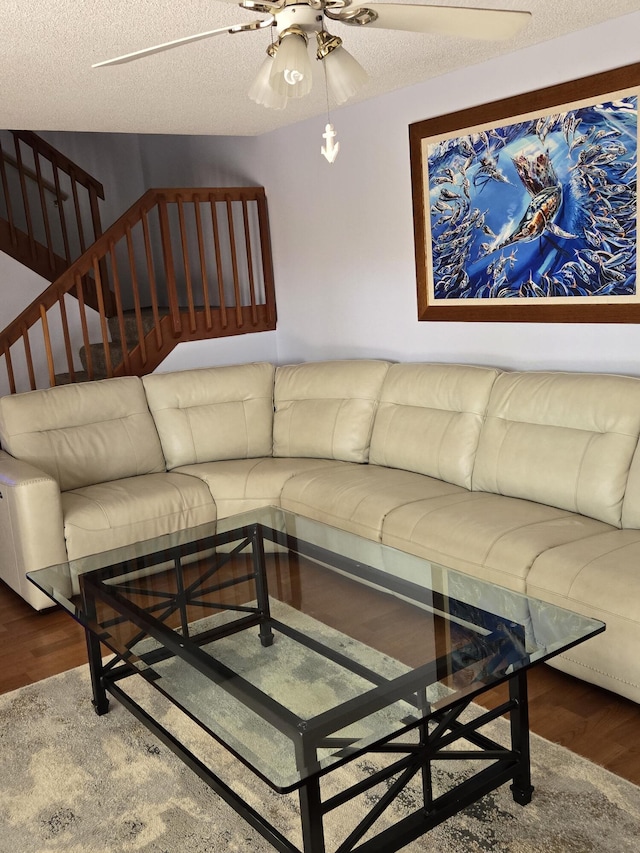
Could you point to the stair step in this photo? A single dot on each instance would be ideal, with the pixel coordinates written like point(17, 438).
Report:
point(67, 379)
point(99, 358)
point(130, 322)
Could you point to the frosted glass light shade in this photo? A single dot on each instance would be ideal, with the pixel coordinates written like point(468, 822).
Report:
point(345, 75)
point(261, 90)
point(291, 71)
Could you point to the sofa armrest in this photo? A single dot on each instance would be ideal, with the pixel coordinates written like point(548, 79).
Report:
point(31, 526)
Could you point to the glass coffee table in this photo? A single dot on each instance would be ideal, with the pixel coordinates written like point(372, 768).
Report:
point(300, 647)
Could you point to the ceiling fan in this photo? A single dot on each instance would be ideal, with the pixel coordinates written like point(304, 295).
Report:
point(286, 72)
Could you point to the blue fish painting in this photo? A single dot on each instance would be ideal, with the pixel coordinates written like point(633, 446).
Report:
point(542, 208)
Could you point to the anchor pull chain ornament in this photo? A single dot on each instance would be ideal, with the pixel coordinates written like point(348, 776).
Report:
point(331, 148)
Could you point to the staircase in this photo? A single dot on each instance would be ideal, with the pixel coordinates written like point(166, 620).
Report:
point(181, 264)
point(97, 358)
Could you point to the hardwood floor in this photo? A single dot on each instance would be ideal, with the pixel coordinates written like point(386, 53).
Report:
point(35, 645)
point(597, 724)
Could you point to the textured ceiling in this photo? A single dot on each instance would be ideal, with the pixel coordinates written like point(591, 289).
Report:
point(48, 46)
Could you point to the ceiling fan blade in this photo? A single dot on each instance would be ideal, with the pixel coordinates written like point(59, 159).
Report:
point(169, 45)
point(459, 21)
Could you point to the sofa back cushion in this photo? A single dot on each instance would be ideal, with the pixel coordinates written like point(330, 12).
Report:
point(325, 410)
point(561, 439)
point(213, 413)
point(429, 419)
point(83, 434)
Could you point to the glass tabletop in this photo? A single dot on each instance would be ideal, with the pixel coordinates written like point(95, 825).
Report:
point(298, 645)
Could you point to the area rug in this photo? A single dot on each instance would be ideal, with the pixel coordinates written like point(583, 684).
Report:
point(75, 782)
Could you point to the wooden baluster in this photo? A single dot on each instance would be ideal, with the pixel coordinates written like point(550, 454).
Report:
point(119, 309)
point(203, 266)
point(10, 374)
point(45, 214)
point(224, 322)
point(47, 346)
point(25, 198)
point(83, 323)
point(7, 198)
point(63, 221)
point(234, 264)
point(95, 212)
point(104, 329)
point(247, 240)
point(186, 264)
point(28, 358)
point(97, 231)
point(76, 207)
point(136, 295)
point(66, 336)
point(172, 293)
point(153, 290)
point(267, 260)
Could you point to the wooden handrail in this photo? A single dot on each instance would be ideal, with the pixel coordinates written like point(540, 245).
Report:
point(52, 188)
point(36, 234)
point(157, 256)
point(42, 147)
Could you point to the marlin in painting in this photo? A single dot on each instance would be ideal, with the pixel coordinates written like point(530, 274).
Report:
point(539, 178)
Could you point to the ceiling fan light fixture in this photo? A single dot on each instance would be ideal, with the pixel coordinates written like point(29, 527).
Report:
point(326, 43)
point(261, 91)
point(291, 72)
point(345, 75)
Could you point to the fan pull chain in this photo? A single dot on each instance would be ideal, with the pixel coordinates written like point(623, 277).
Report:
point(330, 148)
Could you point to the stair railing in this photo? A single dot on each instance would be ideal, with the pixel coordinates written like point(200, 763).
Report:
point(49, 209)
point(198, 261)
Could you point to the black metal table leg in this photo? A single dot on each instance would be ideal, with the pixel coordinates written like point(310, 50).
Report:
point(426, 770)
point(100, 701)
point(260, 569)
point(522, 789)
point(311, 817)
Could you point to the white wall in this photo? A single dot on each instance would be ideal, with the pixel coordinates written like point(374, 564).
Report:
point(343, 234)
point(200, 161)
point(19, 287)
point(222, 351)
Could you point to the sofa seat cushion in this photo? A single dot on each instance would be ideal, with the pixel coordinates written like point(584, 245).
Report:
point(357, 498)
point(325, 410)
point(212, 413)
point(109, 515)
point(598, 577)
point(493, 537)
point(240, 485)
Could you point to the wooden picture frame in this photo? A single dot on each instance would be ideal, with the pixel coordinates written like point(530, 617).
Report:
point(525, 209)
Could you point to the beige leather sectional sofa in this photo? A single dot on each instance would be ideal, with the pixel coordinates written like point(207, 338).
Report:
point(527, 479)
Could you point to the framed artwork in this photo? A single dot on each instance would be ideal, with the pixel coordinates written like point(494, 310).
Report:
point(526, 209)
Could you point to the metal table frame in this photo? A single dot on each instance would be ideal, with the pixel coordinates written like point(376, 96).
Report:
point(438, 732)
